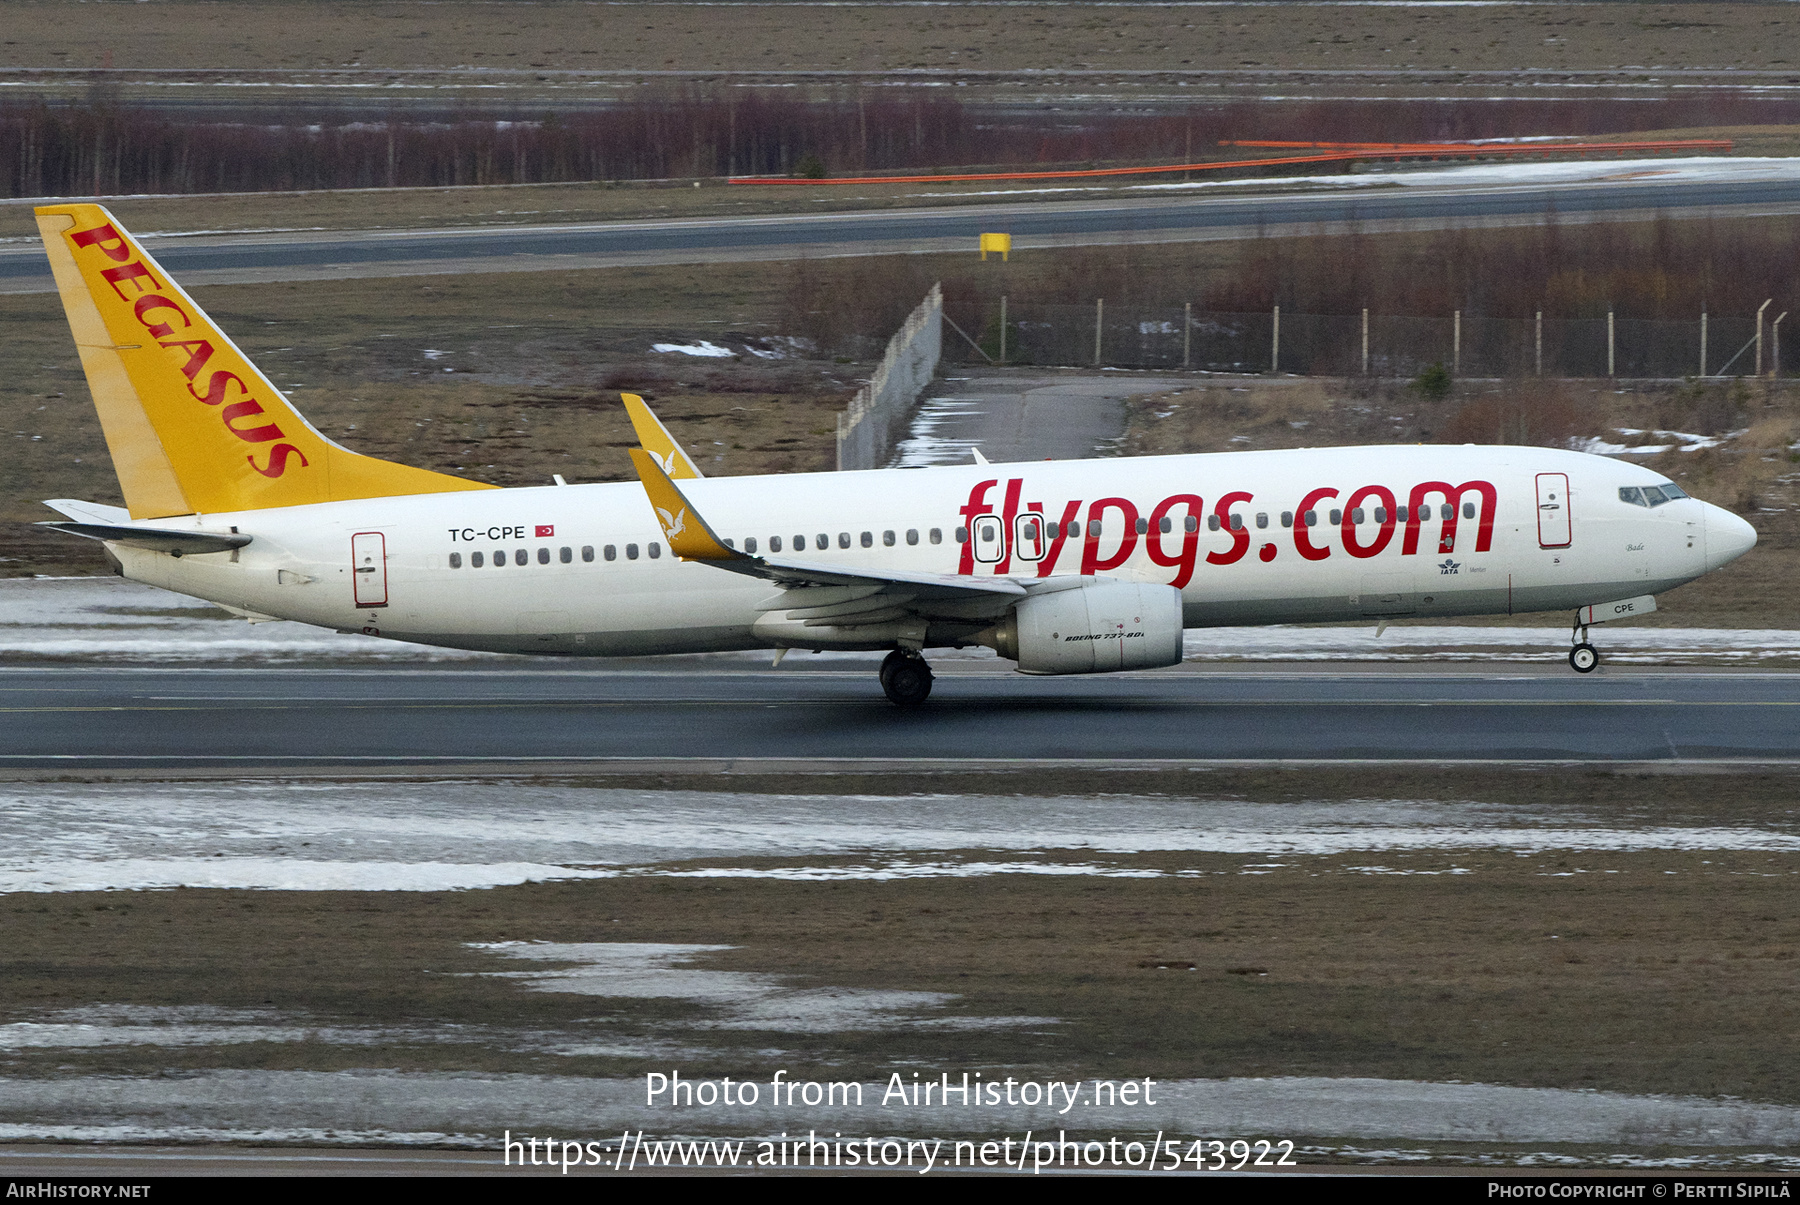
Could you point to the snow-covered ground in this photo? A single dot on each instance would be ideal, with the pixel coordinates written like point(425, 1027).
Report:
point(103, 619)
point(393, 836)
point(472, 1109)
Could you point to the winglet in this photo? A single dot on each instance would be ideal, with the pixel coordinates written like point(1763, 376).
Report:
point(657, 441)
point(688, 534)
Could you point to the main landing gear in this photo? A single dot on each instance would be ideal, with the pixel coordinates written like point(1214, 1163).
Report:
point(906, 678)
point(1584, 657)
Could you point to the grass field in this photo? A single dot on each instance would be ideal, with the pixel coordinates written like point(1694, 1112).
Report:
point(1651, 972)
point(570, 36)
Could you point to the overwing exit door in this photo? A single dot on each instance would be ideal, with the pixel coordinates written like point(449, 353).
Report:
point(1553, 510)
point(368, 559)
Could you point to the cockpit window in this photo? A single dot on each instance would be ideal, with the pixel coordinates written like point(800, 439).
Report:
point(1672, 492)
point(1653, 496)
point(1631, 494)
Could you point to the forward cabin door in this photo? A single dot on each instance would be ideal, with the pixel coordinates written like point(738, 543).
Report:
point(368, 559)
point(1553, 510)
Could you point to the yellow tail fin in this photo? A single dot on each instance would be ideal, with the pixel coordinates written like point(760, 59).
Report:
point(657, 441)
point(689, 536)
point(191, 424)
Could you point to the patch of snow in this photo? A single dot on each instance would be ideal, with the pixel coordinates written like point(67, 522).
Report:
point(702, 348)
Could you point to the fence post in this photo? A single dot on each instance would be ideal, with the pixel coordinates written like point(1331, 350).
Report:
point(1703, 343)
point(1610, 362)
point(1003, 328)
point(1456, 346)
point(1365, 340)
point(1099, 318)
point(1540, 343)
point(1759, 314)
point(1775, 368)
point(1187, 334)
point(1275, 344)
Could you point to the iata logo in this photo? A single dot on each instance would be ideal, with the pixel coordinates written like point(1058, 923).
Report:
point(1448, 567)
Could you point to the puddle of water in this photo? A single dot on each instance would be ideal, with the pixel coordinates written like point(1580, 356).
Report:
point(741, 999)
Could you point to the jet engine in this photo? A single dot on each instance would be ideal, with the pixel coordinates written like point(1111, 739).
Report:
point(1095, 628)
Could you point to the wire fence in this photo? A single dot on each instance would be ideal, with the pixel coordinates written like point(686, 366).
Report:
point(1380, 345)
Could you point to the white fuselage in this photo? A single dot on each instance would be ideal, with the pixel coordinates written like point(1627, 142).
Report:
point(1534, 529)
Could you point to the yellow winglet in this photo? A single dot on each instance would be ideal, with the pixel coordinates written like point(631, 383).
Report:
point(688, 534)
point(657, 441)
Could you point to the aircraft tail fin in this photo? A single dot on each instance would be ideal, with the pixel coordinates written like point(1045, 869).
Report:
point(657, 441)
point(191, 424)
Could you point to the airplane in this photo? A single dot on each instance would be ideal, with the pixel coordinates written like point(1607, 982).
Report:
point(1068, 567)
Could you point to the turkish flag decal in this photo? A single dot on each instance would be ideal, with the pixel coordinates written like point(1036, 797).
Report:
point(545, 531)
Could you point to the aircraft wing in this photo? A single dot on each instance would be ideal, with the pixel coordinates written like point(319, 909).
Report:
point(827, 594)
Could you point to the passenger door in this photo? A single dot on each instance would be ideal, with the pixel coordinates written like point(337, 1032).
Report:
point(1554, 529)
point(368, 561)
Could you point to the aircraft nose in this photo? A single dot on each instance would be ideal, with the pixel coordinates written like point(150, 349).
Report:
point(1727, 537)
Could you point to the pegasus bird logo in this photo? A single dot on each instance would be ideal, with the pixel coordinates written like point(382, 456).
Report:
point(675, 524)
point(668, 465)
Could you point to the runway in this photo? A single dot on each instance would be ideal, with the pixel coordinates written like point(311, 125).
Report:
point(105, 719)
point(237, 258)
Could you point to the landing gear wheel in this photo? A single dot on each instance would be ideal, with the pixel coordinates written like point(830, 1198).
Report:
point(889, 662)
point(1583, 658)
point(907, 680)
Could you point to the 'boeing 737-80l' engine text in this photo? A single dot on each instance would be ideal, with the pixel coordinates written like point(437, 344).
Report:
point(1065, 568)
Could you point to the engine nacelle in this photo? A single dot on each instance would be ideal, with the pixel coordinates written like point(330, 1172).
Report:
point(1093, 629)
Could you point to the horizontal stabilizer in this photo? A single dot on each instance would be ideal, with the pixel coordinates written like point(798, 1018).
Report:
point(156, 539)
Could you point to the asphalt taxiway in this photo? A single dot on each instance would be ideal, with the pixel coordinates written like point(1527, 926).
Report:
point(289, 256)
point(86, 719)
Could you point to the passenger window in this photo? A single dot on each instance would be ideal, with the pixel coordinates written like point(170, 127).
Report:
point(1631, 494)
point(1446, 512)
point(912, 535)
point(611, 553)
point(1143, 527)
point(868, 539)
point(1337, 517)
point(631, 552)
point(937, 535)
point(1165, 525)
point(544, 556)
point(821, 541)
point(799, 543)
point(456, 560)
point(774, 543)
point(962, 535)
point(500, 559)
point(521, 556)
point(1310, 519)
point(1191, 523)
point(1468, 510)
point(567, 556)
point(749, 545)
point(730, 542)
point(1262, 519)
point(655, 550)
point(887, 539)
point(843, 539)
point(1094, 529)
point(1381, 514)
point(1212, 522)
point(475, 560)
point(1356, 514)
point(587, 552)
point(1237, 522)
point(1287, 518)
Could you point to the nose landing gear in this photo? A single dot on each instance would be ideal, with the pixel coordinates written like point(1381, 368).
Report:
point(905, 678)
point(1584, 657)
